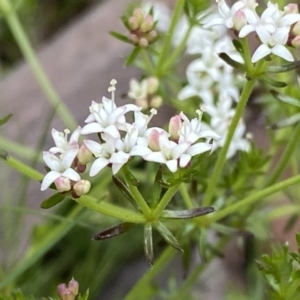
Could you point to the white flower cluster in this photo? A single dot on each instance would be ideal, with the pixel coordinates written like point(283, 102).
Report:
point(273, 27)
point(119, 142)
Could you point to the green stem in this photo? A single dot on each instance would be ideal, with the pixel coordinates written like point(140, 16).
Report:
point(137, 292)
point(168, 37)
point(111, 210)
point(149, 67)
point(165, 200)
point(222, 156)
point(41, 247)
point(185, 196)
point(23, 169)
point(252, 199)
point(30, 56)
point(284, 159)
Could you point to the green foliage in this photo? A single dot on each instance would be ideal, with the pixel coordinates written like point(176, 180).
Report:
point(281, 270)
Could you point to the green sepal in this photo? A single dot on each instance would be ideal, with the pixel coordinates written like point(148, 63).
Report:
point(272, 82)
point(5, 119)
point(187, 214)
point(203, 245)
point(120, 37)
point(148, 243)
point(232, 62)
point(125, 191)
point(157, 188)
point(285, 123)
point(4, 155)
point(168, 236)
point(132, 56)
point(114, 231)
point(238, 46)
point(85, 296)
point(283, 68)
point(53, 200)
point(285, 98)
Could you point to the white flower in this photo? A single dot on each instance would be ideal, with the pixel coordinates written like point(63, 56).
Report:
point(61, 140)
point(60, 168)
point(106, 116)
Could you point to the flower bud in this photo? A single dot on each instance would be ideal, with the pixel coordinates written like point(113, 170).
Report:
point(152, 83)
point(143, 103)
point(239, 20)
point(153, 140)
point(84, 155)
point(296, 42)
point(151, 36)
point(174, 127)
point(133, 23)
point(296, 29)
point(82, 187)
point(73, 286)
point(143, 43)
point(62, 184)
point(291, 8)
point(156, 102)
point(138, 14)
point(65, 293)
point(133, 38)
point(148, 24)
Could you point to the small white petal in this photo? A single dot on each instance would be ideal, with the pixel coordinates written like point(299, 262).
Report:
point(71, 174)
point(91, 128)
point(261, 52)
point(184, 160)
point(49, 179)
point(98, 165)
point(172, 165)
point(282, 52)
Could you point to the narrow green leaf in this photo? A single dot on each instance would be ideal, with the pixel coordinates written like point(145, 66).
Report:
point(3, 154)
point(187, 214)
point(130, 178)
point(132, 56)
point(283, 68)
point(232, 62)
point(85, 296)
point(285, 98)
point(125, 191)
point(148, 244)
point(5, 119)
point(120, 36)
point(285, 123)
point(168, 236)
point(203, 244)
point(124, 19)
point(272, 82)
point(157, 188)
point(238, 46)
point(53, 200)
point(114, 231)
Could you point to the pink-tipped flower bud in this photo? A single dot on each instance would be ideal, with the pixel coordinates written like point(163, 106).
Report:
point(138, 14)
point(151, 36)
point(156, 102)
point(82, 187)
point(296, 42)
point(239, 20)
point(143, 43)
point(73, 286)
point(153, 140)
point(133, 23)
point(65, 293)
point(133, 38)
point(296, 29)
point(152, 85)
point(174, 127)
point(84, 155)
point(291, 8)
point(62, 184)
point(148, 24)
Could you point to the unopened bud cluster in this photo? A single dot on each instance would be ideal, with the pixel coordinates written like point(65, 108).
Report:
point(68, 292)
point(144, 93)
point(142, 28)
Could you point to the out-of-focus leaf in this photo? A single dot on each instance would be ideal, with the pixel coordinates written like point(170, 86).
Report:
point(232, 62)
point(120, 36)
point(283, 68)
point(3, 154)
point(5, 119)
point(186, 214)
point(132, 56)
point(114, 231)
point(53, 200)
point(285, 123)
point(85, 296)
point(238, 46)
point(272, 82)
point(285, 98)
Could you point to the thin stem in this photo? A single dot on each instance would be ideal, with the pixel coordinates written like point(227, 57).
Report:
point(111, 209)
point(186, 196)
point(149, 67)
point(252, 199)
point(168, 37)
point(165, 200)
point(222, 156)
point(30, 56)
point(137, 292)
point(23, 169)
point(285, 157)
